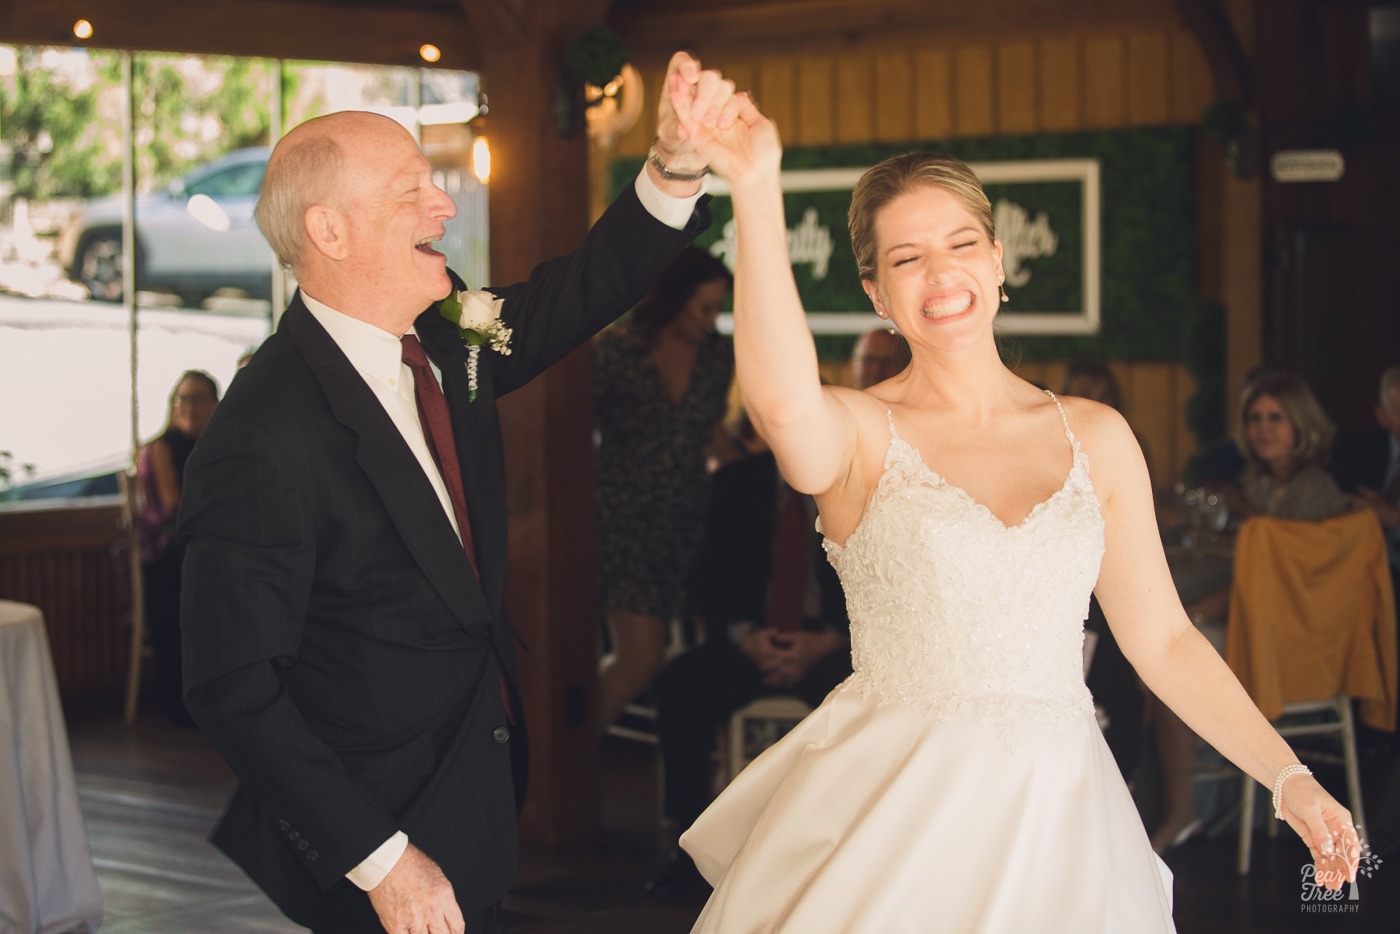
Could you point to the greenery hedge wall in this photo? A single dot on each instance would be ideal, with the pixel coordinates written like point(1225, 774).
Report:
point(1148, 288)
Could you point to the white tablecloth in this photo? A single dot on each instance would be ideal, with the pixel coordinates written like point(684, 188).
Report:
point(47, 883)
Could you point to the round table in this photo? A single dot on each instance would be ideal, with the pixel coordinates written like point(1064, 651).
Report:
point(47, 885)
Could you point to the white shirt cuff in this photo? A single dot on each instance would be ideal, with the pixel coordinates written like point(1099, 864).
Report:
point(670, 210)
point(377, 865)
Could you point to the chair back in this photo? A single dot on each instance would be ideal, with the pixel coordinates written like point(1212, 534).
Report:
point(129, 484)
point(1312, 614)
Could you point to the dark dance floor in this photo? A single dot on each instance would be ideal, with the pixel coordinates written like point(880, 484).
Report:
point(150, 793)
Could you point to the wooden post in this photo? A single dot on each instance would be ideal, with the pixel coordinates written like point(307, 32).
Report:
point(539, 208)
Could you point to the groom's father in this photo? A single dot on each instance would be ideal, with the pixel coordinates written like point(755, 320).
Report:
point(344, 514)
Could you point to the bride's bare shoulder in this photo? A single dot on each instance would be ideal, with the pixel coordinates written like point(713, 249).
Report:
point(863, 403)
point(1102, 431)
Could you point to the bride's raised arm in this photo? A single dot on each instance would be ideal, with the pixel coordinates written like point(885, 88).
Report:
point(810, 429)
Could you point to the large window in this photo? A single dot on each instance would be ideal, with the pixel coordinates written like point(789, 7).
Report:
point(96, 146)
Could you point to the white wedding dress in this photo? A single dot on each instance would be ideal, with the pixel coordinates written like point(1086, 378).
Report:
point(958, 780)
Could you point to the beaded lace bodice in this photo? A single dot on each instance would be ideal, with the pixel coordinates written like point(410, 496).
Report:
point(958, 615)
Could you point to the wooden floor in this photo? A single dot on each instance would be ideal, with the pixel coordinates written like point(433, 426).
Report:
point(150, 793)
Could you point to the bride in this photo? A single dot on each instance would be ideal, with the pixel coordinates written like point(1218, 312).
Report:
point(958, 780)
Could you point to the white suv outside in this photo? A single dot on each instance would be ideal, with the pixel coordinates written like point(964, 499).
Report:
point(194, 238)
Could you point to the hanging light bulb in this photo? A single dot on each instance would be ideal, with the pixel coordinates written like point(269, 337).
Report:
point(429, 52)
point(82, 29)
point(481, 149)
point(481, 159)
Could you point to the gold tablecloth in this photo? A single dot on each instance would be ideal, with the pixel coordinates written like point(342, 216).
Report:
point(1312, 614)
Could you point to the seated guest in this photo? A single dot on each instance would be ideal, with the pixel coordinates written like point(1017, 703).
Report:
point(1367, 468)
point(776, 624)
point(1367, 465)
point(1285, 438)
point(1221, 464)
point(160, 469)
point(877, 356)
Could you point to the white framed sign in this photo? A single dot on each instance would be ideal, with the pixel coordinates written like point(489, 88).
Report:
point(1047, 213)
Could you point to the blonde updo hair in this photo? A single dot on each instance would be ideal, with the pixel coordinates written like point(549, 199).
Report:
point(899, 175)
point(1315, 431)
point(300, 174)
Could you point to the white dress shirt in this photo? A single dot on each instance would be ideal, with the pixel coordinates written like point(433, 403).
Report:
point(377, 356)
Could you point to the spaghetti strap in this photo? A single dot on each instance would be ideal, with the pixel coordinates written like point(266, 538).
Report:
point(1063, 418)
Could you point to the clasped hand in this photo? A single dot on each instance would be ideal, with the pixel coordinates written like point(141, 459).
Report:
point(784, 658)
point(693, 98)
point(722, 126)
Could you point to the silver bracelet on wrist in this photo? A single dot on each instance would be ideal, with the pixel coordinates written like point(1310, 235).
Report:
point(1284, 774)
point(667, 173)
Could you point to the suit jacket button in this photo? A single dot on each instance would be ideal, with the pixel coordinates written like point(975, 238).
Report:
point(284, 826)
point(294, 836)
point(311, 857)
point(303, 846)
point(500, 734)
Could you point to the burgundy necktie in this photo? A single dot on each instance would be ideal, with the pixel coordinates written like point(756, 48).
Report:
point(437, 430)
point(787, 585)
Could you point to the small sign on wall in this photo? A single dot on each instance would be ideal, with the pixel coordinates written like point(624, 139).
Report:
point(1046, 213)
point(1307, 165)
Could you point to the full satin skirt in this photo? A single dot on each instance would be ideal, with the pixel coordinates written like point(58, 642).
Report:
point(877, 819)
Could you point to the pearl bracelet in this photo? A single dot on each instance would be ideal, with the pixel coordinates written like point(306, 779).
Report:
point(670, 175)
point(1284, 774)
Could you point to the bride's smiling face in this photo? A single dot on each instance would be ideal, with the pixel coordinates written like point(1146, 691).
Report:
point(936, 269)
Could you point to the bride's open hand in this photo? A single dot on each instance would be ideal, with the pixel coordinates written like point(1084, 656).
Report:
point(738, 150)
point(1327, 829)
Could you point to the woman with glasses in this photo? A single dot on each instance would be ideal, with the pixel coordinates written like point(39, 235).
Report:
point(160, 465)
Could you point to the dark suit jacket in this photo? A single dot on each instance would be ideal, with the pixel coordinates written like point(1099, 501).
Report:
point(730, 580)
point(1361, 459)
point(339, 651)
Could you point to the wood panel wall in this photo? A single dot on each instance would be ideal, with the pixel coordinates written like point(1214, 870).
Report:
point(72, 562)
point(923, 87)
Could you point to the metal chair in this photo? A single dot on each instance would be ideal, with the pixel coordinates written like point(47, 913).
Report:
point(1312, 627)
point(756, 726)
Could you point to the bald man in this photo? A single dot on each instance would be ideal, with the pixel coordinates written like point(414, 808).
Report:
point(877, 355)
point(346, 648)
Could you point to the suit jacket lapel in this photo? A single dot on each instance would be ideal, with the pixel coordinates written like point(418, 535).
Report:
point(391, 468)
point(477, 435)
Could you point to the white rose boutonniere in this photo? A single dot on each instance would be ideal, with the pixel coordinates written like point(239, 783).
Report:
point(477, 316)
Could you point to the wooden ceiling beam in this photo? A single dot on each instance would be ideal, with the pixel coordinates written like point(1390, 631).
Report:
point(498, 22)
point(513, 22)
point(784, 25)
point(304, 29)
point(1210, 24)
